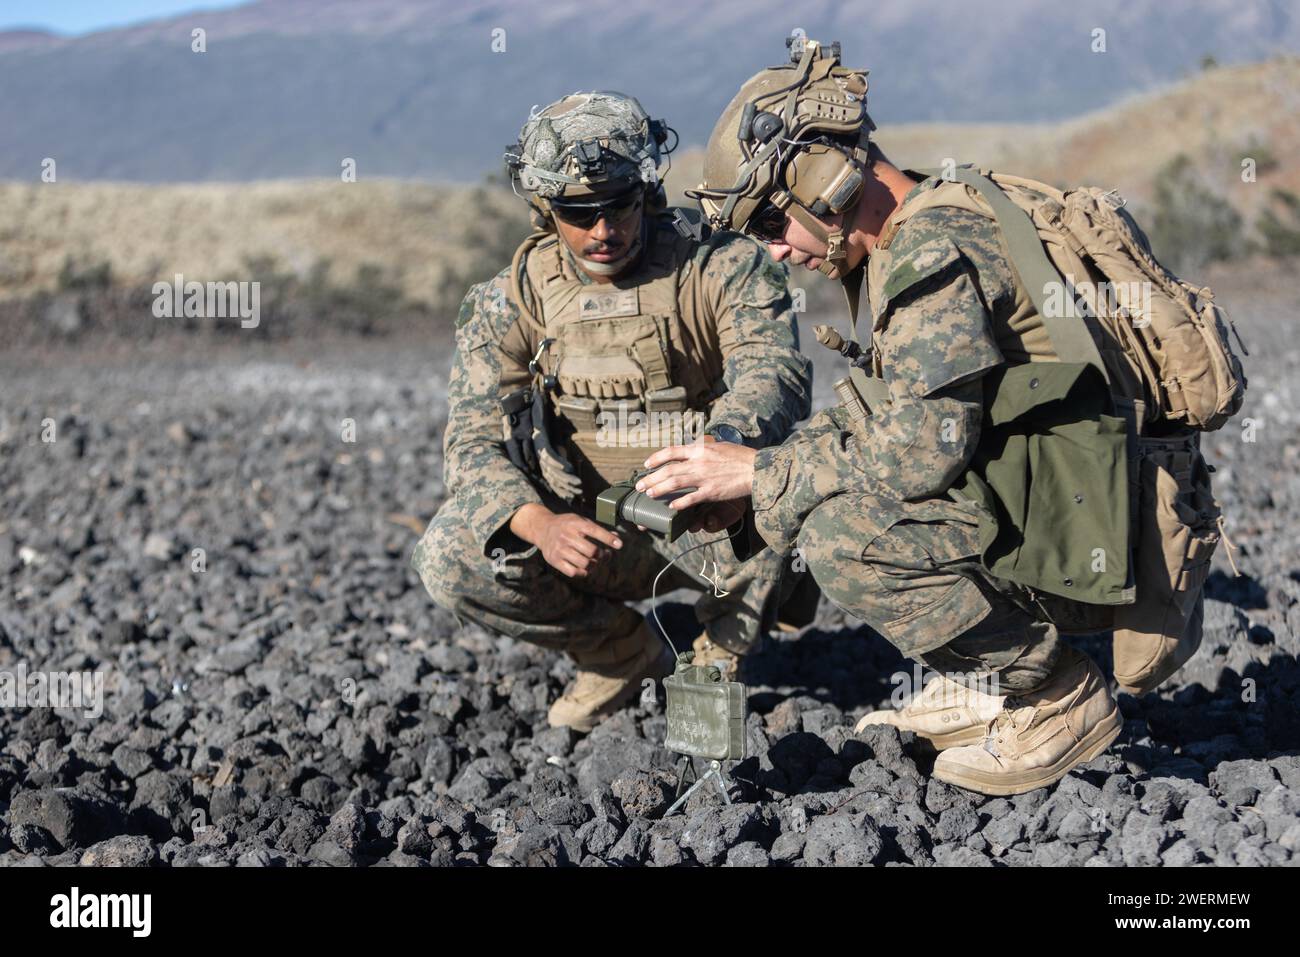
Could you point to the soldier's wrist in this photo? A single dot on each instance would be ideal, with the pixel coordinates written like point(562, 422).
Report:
point(529, 522)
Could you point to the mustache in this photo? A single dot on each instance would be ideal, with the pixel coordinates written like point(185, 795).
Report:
point(602, 248)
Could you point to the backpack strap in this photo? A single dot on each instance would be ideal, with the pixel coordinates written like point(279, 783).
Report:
point(872, 390)
point(1070, 337)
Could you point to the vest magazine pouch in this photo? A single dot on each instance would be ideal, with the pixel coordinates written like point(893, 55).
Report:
point(672, 399)
point(1177, 535)
point(650, 355)
point(611, 358)
point(625, 435)
point(614, 410)
point(580, 412)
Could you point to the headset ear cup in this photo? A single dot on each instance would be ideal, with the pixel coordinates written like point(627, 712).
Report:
point(847, 193)
point(824, 179)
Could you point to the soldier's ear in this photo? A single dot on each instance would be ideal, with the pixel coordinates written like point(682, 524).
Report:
point(540, 220)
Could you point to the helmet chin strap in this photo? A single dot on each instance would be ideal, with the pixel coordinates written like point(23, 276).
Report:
point(835, 263)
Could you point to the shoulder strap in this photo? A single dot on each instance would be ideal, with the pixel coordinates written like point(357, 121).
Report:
point(1070, 337)
point(516, 280)
point(873, 391)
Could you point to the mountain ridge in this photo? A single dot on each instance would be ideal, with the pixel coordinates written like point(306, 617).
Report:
point(411, 88)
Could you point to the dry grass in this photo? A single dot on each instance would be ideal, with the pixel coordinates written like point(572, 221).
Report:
point(427, 235)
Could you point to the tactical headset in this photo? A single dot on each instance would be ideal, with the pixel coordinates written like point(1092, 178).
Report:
point(803, 149)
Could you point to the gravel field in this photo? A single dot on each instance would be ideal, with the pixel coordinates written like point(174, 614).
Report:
point(278, 688)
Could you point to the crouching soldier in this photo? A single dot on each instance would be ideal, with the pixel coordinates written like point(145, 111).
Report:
point(1007, 465)
point(620, 327)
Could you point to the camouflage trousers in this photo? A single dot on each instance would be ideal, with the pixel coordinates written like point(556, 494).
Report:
point(911, 571)
point(520, 595)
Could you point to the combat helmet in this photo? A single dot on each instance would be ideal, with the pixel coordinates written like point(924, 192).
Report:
point(587, 144)
point(795, 138)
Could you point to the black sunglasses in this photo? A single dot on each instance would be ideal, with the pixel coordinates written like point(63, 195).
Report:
point(767, 225)
point(585, 215)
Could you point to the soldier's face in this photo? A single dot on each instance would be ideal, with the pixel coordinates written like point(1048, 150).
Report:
point(798, 245)
point(609, 238)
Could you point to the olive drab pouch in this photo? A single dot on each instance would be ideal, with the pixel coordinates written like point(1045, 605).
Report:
point(1179, 528)
point(1046, 522)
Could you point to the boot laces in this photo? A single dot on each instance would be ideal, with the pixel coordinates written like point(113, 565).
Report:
point(1006, 723)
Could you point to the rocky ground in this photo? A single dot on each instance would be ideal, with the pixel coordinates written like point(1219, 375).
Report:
point(280, 690)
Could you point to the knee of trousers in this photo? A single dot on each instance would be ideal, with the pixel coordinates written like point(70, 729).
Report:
point(517, 595)
point(912, 580)
point(444, 558)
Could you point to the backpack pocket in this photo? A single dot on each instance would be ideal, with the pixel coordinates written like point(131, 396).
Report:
point(1178, 531)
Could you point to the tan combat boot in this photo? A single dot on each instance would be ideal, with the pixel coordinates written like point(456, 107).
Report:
point(708, 652)
point(610, 675)
point(946, 713)
point(1040, 736)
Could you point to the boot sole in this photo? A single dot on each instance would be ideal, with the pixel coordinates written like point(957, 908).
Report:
point(1092, 744)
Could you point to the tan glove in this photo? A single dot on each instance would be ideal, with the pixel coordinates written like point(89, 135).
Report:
point(558, 478)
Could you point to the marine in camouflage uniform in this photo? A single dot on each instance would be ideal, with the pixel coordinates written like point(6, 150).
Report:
point(730, 344)
point(869, 502)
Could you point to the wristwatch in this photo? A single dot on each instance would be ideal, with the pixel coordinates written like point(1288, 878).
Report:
point(726, 433)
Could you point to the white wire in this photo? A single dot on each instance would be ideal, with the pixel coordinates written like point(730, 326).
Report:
point(654, 586)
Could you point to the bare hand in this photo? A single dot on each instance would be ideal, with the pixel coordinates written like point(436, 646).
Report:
point(719, 471)
point(574, 545)
point(569, 543)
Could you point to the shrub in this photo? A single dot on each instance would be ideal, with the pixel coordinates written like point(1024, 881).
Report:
point(1191, 226)
point(1279, 228)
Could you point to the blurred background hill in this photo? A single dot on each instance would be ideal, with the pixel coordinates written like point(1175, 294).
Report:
point(1175, 153)
point(226, 164)
point(413, 88)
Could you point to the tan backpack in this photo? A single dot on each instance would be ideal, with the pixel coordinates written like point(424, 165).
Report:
point(1083, 260)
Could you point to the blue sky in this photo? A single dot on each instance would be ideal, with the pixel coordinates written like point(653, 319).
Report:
point(86, 16)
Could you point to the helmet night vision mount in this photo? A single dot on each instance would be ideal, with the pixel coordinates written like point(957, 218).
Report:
point(796, 137)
